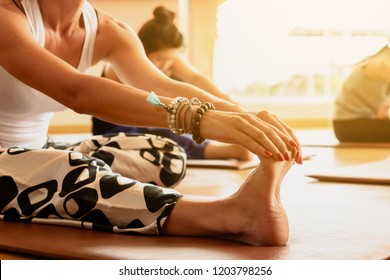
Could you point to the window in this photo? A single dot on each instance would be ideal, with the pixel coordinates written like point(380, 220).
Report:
point(294, 50)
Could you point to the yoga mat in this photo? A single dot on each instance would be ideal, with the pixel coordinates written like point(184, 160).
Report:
point(377, 172)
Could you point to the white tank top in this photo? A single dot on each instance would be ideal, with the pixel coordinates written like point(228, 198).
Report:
point(25, 113)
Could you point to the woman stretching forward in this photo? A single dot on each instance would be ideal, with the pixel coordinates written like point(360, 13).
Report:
point(119, 184)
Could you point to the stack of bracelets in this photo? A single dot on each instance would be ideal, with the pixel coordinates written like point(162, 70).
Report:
point(182, 117)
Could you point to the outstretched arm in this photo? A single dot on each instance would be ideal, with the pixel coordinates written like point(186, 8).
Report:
point(130, 63)
point(142, 73)
point(35, 66)
point(185, 71)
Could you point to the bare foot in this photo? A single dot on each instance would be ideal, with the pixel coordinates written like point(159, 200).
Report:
point(253, 215)
point(258, 217)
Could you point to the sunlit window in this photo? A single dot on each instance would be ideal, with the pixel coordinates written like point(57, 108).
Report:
point(295, 47)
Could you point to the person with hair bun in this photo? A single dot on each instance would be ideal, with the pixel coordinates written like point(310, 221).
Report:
point(163, 43)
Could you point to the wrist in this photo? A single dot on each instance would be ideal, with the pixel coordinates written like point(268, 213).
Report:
point(197, 120)
point(228, 107)
point(184, 116)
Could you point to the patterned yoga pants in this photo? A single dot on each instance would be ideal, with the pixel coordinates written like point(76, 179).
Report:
point(94, 184)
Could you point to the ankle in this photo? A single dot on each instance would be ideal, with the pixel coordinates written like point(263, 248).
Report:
point(270, 228)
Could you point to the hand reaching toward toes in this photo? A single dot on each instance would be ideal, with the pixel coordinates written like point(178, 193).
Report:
point(263, 134)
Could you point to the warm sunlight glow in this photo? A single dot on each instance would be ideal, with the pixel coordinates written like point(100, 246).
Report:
point(300, 47)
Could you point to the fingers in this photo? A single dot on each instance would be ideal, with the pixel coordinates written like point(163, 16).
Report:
point(254, 147)
point(298, 148)
point(268, 136)
point(286, 134)
point(238, 128)
point(265, 138)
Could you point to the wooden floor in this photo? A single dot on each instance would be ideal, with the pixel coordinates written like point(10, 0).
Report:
point(327, 220)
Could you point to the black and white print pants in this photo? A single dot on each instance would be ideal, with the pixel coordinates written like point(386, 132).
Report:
point(119, 183)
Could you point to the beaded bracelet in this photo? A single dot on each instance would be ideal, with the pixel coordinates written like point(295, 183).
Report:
point(179, 106)
point(179, 130)
point(195, 128)
point(184, 127)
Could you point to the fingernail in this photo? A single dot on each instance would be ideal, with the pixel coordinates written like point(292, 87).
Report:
point(267, 153)
point(298, 157)
point(286, 156)
point(292, 143)
point(280, 157)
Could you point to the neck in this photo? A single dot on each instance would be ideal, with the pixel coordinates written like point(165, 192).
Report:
point(61, 16)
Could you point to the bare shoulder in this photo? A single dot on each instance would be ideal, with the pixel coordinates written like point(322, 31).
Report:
point(14, 26)
point(10, 9)
point(108, 23)
point(8, 3)
point(112, 35)
point(11, 16)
